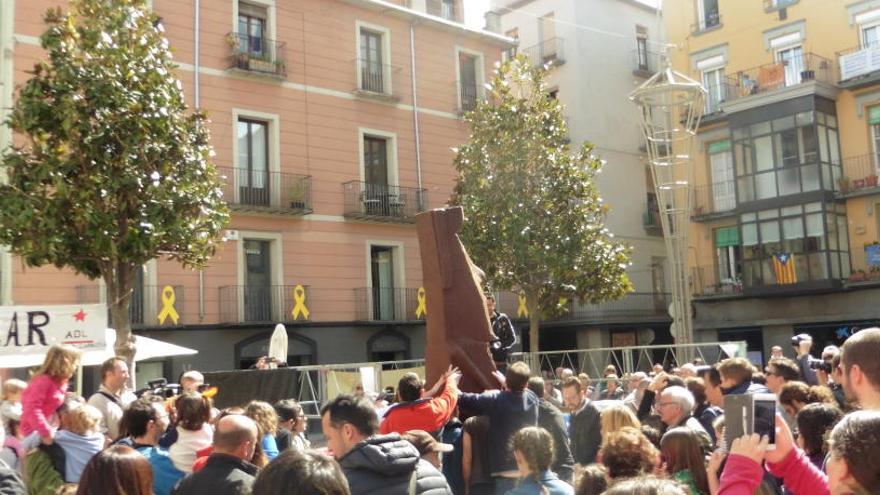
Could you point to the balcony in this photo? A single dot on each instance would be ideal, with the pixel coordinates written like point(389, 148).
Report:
point(714, 201)
point(375, 80)
point(468, 95)
point(147, 303)
point(771, 79)
point(646, 63)
point(257, 55)
point(551, 51)
point(256, 304)
point(379, 202)
point(651, 220)
point(715, 98)
point(705, 283)
point(710, 22)
point(634, 307)
point(860, 176)
point(386, 304)
point(266, 192)
point(859, 66)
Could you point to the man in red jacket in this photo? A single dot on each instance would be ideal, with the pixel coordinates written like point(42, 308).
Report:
point(421, 410)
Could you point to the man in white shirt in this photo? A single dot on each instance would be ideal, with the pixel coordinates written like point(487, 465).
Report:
point(112, 398)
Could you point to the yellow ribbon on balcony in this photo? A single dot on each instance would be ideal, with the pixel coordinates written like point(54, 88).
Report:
point(522, 310)
point(299, 307)
point(168, 299)
point(422, 309)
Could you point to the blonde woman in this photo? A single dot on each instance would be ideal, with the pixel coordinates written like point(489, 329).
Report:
point(80, 441)
point(615, 417)
point(267, 421)
point(45, 393)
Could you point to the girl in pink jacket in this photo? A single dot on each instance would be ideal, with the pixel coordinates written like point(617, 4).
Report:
point(45, 393)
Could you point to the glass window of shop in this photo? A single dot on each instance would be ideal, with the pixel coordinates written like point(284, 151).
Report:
point(813, 236)
point(788, 155)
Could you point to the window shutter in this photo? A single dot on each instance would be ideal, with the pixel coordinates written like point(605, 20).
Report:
point(725, 237)
point(874, 115)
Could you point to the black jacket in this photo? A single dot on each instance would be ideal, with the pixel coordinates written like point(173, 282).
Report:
point(223, 474)
point(508, 412)
point(505, 337)
point(585, 433)
point(385, 465)
point(550, 418)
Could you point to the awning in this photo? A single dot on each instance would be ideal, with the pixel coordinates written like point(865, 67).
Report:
point(147, 348)
point(725, 237)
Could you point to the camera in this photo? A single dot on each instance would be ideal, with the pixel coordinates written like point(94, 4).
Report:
point(159, 387)
point(820, 365)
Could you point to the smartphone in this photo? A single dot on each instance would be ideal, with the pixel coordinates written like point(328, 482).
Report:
point(764, 417)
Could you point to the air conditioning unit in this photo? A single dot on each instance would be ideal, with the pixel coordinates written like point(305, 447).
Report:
point(231, 235)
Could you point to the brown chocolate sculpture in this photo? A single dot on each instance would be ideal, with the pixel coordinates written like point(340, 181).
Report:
point(458, 324)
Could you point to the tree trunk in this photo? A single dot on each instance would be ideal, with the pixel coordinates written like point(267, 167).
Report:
point(119, 283)
point(534, 321)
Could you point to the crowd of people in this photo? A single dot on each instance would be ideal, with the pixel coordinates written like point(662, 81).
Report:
point(558, 434)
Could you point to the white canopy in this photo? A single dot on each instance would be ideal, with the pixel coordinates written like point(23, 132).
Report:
point(147, 348)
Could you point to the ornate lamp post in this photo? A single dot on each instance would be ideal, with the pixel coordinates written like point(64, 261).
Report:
point(671, 105)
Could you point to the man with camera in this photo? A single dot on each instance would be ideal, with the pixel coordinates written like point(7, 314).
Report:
point(802, 343)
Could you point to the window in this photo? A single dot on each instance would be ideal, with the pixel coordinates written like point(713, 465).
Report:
point(707, 14)
point(386, 294)
point(721, 165)
point(874, 122)
point(728, 257)
point(642, 53)
point(468, 70)
point(713, 80)
point(252, 170)
point(447, 9)
point(372, 70)
point(792, 60)
point(547, 33)
point(870, 35)
point(376, 161)
point(252, 29)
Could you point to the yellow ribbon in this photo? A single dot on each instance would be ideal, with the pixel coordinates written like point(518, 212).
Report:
point(299, 297)
point(422, 309)
point(168, 299)
point(522, 310)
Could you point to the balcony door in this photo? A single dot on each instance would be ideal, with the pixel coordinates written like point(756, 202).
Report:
point(875, 138)
point(136, 307)
point(713, 80)
point(252, 30)
point(258, 280)
point(870, 35)
point(723, 189)
point(708, 12)
point(252, 173)
point(372, 75)
point(467, 66)
point(382, 275)
point(792, 60)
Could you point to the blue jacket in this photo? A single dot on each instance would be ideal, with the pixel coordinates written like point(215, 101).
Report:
point(508, 412)
point(165, 475)
point(531, 485)
point(270, 448)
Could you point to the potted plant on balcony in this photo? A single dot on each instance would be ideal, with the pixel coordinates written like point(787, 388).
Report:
point(297, 195)
point(871, 180)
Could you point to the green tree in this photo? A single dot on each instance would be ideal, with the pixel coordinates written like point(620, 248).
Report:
point(535, 221)
point(110, 170)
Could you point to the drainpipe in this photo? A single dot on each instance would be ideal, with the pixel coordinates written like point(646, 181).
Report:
point(197, 103)
point(415, 101)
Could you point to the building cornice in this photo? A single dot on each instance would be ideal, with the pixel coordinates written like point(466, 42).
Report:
point(387, 7)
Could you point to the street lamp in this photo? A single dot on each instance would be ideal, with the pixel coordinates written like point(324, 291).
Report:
point(671, 105)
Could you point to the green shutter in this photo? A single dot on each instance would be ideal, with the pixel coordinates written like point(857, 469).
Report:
point(725, 237)
point(874, 115)
point(719, 146)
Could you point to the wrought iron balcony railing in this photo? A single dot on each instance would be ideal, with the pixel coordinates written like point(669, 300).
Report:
point(859, 174)
point(386, 304)
point(633, 305)
point(765, 78)
point(375, 78)
point(705, 282)
point(550, 51)
point(150, 305)
point(382, 202)
point(257, 54)
point(265, 191)
point(262, 304)
point(710, 21)
point(713, 199)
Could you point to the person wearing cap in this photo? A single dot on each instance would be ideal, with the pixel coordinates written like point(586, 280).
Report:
point(429, 448)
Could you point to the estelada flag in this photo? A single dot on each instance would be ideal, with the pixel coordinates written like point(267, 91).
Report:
point(783, 265)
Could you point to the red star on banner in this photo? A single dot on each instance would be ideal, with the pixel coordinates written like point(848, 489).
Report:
point(79, 316)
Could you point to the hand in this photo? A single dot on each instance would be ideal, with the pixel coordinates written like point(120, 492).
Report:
point(659, 382)
point(715, 461)
point(752, 446)
point(454, 374)
point(502, 380)
point(784, 442)
point(822, 377)
point(804, 347)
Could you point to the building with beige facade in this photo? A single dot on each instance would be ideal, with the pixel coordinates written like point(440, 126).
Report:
point(333, 122)
point(786, 217)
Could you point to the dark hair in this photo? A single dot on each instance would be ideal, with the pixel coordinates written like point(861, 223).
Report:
point(193, 410)
point(785, 368)
point(862, 349)
point(301, 473)
point(536, 385)
point(856, 440)
point(356, 411)
point(647, 485)
point(288, 409)
point(681, 450)
point(590, 480)
point(652, 434)
point(517, 376)
point(738, 369)
point(536, 446)
point(710, 375)
point(109, 365)
point(117, 470)
point(136, 418)
point(697, 388)
point(573, 382)
point(758, 377)
point(801, 392)
point(627, 453)
point(814, 421)
point(409, 387)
